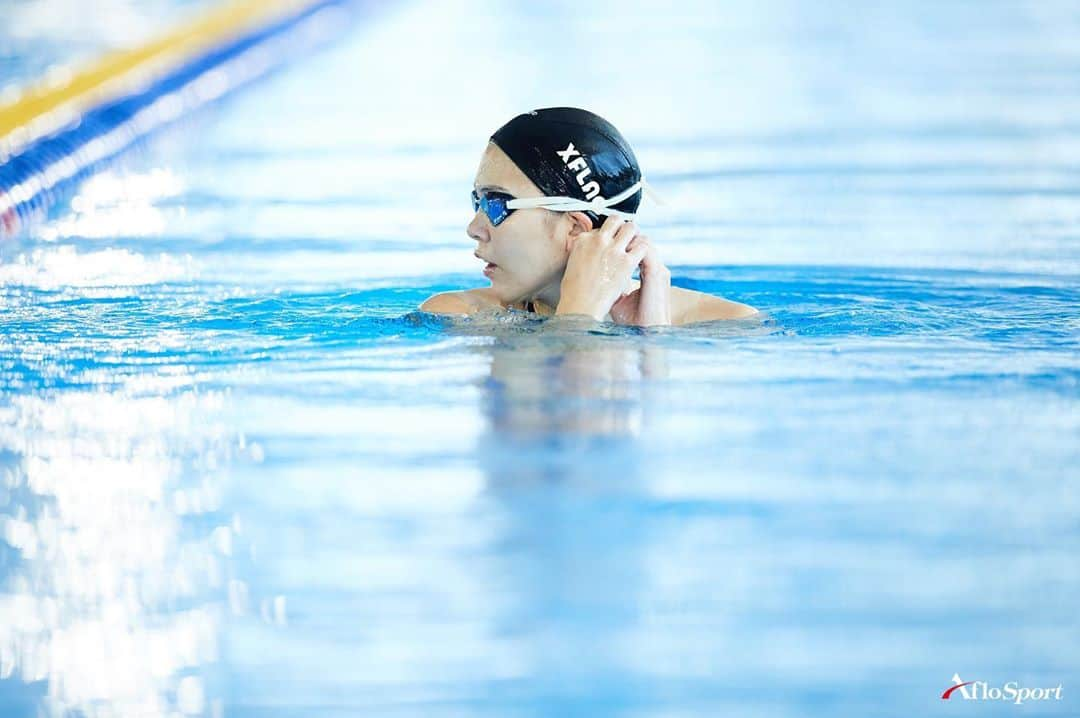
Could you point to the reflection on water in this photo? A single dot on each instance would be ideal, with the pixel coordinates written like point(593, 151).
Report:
point(562, 401)
point(555, 380)
point(115, 553)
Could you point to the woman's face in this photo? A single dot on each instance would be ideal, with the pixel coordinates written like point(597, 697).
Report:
point(530, 247)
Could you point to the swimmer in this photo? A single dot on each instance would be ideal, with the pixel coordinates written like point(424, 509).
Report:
point(555, 197)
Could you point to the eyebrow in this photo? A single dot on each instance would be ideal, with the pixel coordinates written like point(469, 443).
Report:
point(495, 187)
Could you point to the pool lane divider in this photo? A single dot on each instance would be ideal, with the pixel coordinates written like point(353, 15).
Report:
point(55, 135)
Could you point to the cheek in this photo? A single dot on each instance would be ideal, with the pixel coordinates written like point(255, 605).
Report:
point(531, 251)
point(548, 249)
point(557, 254)
point(541, 260)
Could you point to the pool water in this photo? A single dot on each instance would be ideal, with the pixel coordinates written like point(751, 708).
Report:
point(241, 475)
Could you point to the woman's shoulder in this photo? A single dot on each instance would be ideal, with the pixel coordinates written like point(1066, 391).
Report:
point(688, 305)
point(466, 301)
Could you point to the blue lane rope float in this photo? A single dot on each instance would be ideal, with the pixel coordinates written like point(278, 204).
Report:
point(53, 137)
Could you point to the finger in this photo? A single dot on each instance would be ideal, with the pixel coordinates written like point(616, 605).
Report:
point(585, 239)
point(625, 234)
point(655, 290)
point(638, 254)
point(651, 256)
point(653, 267)
point(636, 241)
point(655, 300)
point(610, 226)
point(654, 274)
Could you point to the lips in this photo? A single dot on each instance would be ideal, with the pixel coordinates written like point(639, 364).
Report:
point(489, 268)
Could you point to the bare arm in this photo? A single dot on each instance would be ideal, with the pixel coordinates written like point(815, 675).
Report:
point(447, 303)
point(467, 301)
point(689, 306)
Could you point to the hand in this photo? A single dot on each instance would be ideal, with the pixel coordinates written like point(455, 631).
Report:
point(649, 305)
point(600, 265)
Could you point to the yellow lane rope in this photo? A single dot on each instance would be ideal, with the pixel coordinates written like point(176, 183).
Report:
point(48, 106)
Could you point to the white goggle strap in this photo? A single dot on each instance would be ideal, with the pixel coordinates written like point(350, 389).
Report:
point(651, 193)
point(572, 204)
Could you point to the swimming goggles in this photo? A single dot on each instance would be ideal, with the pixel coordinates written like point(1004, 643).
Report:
point(500, 205)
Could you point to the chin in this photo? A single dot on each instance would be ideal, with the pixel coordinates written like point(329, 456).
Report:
point(503, 293)
point(509, 290)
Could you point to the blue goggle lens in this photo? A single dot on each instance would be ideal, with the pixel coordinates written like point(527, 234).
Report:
point(493, 204)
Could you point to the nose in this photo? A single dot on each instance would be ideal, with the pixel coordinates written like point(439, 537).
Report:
point(479, 227)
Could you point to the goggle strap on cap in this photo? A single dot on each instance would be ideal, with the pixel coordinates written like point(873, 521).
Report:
point(651, 193)
point(572, 204)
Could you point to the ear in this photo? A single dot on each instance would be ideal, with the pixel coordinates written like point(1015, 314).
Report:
point(579, 224)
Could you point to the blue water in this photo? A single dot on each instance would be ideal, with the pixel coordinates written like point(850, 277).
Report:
point(240, 475)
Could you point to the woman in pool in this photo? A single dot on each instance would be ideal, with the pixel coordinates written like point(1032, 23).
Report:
point(555, 197)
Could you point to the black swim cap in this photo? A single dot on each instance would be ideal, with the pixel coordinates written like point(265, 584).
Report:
point(569, 152)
